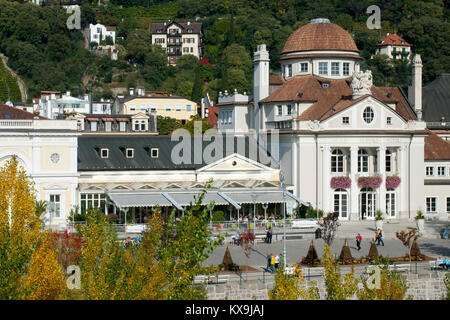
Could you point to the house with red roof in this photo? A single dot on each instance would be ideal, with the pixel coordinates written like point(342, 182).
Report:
point(395, 47)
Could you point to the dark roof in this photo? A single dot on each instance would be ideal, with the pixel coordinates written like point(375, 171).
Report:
point(195, 26)
point(436, 99)
point(89, 157)
point(7, 112)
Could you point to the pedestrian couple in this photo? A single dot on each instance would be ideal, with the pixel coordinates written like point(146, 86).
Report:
point(273, 261)
point(379, 237)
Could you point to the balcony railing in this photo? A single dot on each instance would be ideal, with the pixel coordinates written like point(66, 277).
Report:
point(16, 124)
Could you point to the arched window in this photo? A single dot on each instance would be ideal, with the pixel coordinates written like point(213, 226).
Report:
point(388, 161)
point(337, 161)
point(341, 203)
point(363, 161)
point(390, 203)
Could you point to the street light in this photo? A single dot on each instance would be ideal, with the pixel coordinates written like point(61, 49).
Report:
point(283, 187)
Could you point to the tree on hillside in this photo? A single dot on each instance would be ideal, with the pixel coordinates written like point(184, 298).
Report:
point(155, 67)
point(236, 69)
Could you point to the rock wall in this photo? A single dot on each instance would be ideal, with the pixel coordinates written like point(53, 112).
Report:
point(421, 287)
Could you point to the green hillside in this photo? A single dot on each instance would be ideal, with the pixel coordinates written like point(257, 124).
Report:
point(48, 56)
point(9, 89)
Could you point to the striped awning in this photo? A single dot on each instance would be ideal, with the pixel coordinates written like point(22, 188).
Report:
point(182, 198)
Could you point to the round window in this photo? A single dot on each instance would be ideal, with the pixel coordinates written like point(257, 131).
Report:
point(368, 115)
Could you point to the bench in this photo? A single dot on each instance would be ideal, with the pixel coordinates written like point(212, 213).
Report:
point(434, 266)
point(224, 278)
point(200, 279)
point(313, 272)
point(304, 224)
point(260, 238)
point(400, 267)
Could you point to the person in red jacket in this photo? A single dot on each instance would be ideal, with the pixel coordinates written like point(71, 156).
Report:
point(358, 241)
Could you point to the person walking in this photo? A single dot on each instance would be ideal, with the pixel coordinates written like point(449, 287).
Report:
point(269, 259)
point(272, 263)
point(380, 237)
point(277, 261)
point(269, 235)
point(358, 241)
point(376, 237)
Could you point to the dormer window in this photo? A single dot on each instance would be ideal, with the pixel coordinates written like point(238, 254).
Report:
point(304, 67)
point(323, 68)
point(154, 152)
point(129, 153)
point(104, 153)
point(325, 85)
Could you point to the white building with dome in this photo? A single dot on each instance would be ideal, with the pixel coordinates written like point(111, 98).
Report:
point(346, 146)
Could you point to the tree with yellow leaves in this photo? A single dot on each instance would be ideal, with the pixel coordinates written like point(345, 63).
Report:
point(336, 289)
point(392, 286)
point(45, 278)
point(19, 227)
point(293, 287)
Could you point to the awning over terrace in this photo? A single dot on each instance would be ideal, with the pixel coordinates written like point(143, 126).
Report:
point(179, 199)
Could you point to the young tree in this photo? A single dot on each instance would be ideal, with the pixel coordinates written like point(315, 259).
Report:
point(392, 286)
point(330, 226)
point(45, 277)
point(293, 287)
point(19, 227)
point(336, 289)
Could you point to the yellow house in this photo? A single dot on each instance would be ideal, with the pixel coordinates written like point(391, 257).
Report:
point(167, 106)
point(47, 150)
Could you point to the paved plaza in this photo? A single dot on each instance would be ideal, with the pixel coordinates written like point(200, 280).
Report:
point(430, 243)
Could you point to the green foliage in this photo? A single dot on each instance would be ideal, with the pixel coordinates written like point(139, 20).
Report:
point(218, 216)
point(197, 121)
point(166, 125)
point(310, 213)
point(9, 89)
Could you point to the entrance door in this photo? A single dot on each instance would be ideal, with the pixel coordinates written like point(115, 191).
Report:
point(390, 203)
point(367, 203)
point(341, 203)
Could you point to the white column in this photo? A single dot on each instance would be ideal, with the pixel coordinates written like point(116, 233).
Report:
point(354, 190)
point(326, 179)
point(403, 194)
point(381, 159)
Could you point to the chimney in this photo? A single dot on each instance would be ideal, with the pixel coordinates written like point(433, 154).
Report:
point(68, 93)
point(260, 81)
point(415, 90)
point(131, 91)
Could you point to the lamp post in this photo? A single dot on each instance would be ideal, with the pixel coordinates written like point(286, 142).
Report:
point(283, 187)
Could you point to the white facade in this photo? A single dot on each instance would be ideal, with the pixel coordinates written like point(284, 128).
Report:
point(99, 32)
point(52, 106)
point(177, 39)
point(360, 133)
point(47, 150)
